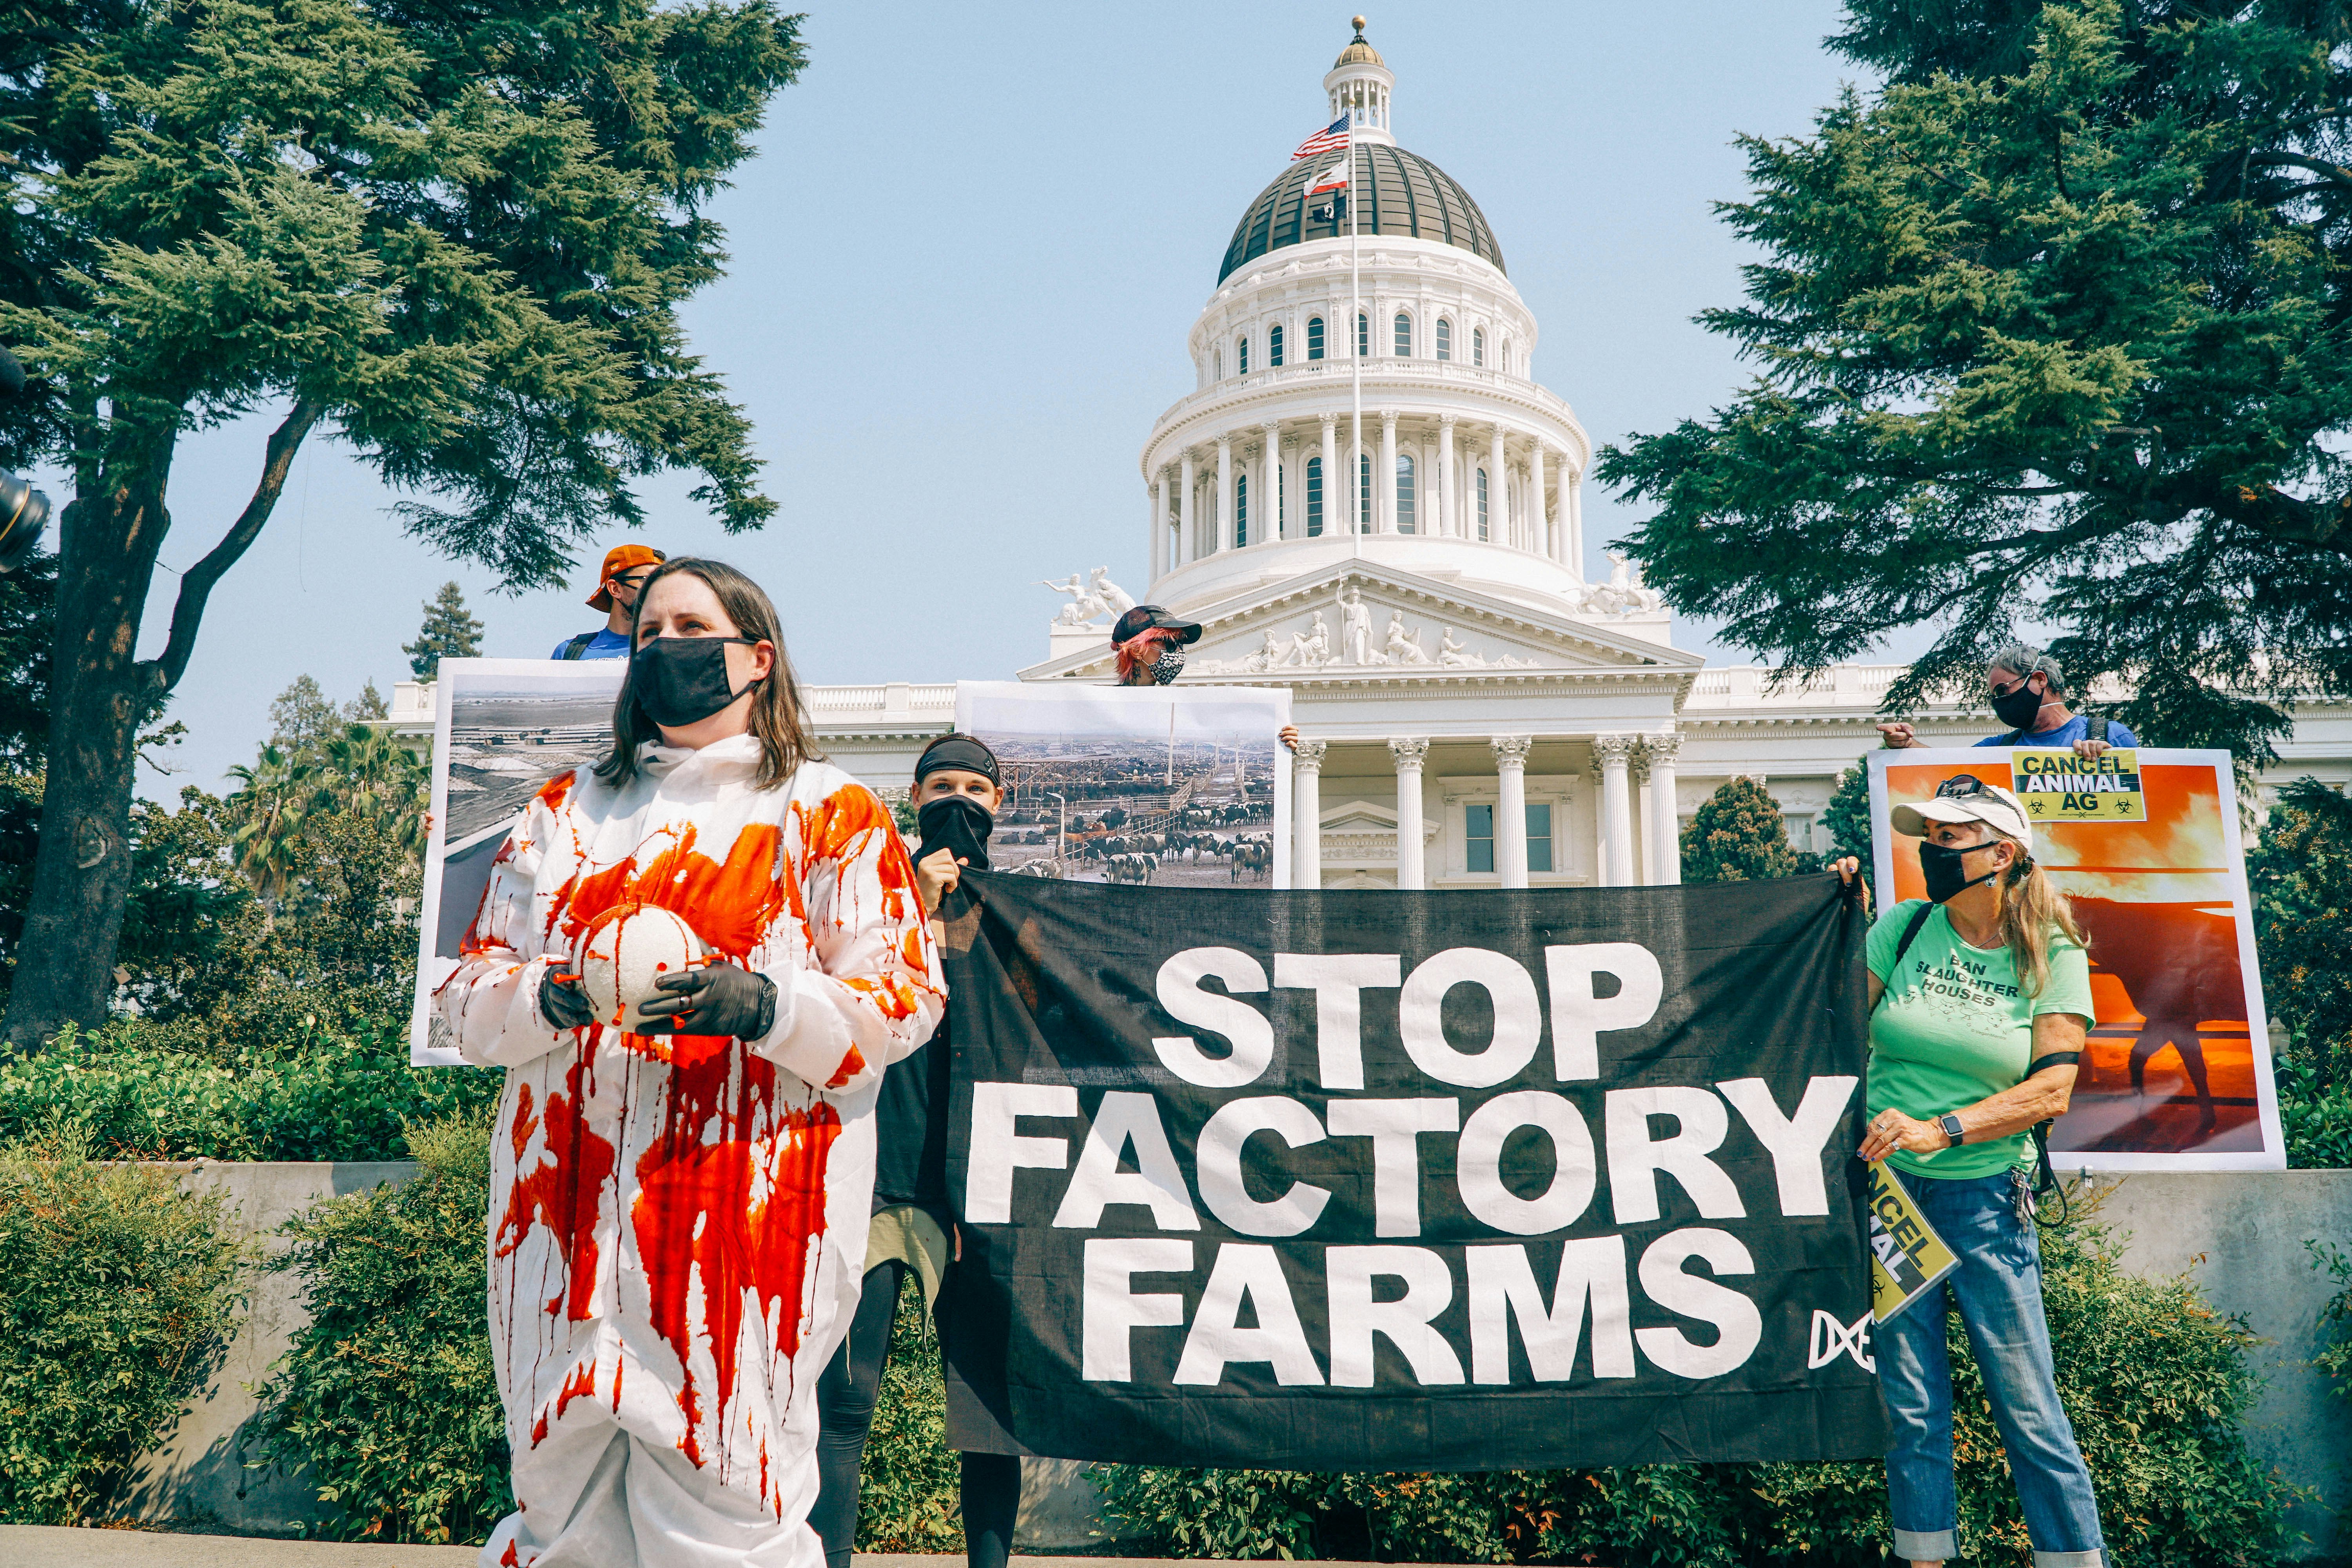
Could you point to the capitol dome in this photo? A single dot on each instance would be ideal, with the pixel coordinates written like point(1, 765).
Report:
point(1403, 195)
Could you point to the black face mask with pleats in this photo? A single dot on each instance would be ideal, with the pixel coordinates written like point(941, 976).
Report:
point(683, 680)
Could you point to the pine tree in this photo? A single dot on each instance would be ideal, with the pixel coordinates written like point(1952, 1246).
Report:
point(1736, 835)
point(301, 720)
point(1847, 815)
point(368, 704)
point(449, 632)
point(455, 237)
point(2050, 328)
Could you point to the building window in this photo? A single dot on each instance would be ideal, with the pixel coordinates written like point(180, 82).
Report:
point(1538, 838)
point(1479, 345)
point(1241, 355)
point(1218, 362)
point(1482, 503)
point(1403, 336)
point(1504, 362)
point(1314, 337)
point(1445, 338)
point(1314, 498)
point(1404, 493)
point(1478, 828)
point(1274, 348)
point(1364, 493)
point(1241, 509)
point(1363, 336)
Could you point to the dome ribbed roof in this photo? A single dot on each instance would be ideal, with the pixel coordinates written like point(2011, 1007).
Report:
point(1404, 193)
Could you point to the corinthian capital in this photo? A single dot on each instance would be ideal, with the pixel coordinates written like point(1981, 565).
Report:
point(1310, 756)
point(1511, 751)
point(1408, 754)
point(1614, 751)
point(1661, 748)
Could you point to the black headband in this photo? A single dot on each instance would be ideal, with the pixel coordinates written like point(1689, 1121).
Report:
point(957, 751)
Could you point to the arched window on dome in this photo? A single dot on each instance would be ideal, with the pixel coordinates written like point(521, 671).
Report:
point(1314, 498)
point(1363, 336)
point(1274, 347)
point(1405, 494)
point(1314, 337)
point(1481, 504)
point(1479, 345)
point(1364, 493)
point(1505, 360)
point(1445, 338)
point(1241, 511)
point(1218, 362)
point(1403, 335)
point(1241, 354)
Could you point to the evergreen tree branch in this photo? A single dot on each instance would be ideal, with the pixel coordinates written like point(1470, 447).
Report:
point(196, 583)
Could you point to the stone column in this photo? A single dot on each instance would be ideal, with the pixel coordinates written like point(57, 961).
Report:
point(1225, 519)
point(1384, 509)
point(1187, 539)
point(1536, 520)
point(1448, 525)
point(1408, 755)
point(1331, 487)
point(1277, 526)
point(1511, 810)
point(1574, 507)
point(1499, 493)
point(1307, 814)
point(1616, 819)
point(1665, 826)
point(1646, 845)
point(1159, 551)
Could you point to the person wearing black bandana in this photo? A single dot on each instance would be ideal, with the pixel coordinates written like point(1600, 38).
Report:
point(2028, 693)
point(958, 789)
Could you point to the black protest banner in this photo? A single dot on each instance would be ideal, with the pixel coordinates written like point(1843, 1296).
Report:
point(1408, 1181)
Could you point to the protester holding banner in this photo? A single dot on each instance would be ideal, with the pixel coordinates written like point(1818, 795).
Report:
point(678, 1207)
point(958, 789)
point(1150, 644)
point(2028, 693)
point(1980, 998)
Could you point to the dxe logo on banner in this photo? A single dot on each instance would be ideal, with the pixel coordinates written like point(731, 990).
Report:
point(1831, 1338)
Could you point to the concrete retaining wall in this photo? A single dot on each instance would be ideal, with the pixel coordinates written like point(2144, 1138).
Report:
point(2241, 1236)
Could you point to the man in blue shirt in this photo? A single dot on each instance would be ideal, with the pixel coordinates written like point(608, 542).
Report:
point(2029, 695)
point(626, 567)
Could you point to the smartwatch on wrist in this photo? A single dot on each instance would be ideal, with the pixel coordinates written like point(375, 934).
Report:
point(1951, 1126)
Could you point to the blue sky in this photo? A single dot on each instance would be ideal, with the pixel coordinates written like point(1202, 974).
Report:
point(964, 263)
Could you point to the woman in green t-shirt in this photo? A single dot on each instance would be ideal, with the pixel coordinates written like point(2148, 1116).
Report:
point(1981, 999)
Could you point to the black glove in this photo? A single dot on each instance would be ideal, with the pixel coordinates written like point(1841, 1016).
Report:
point(561, 1001)
point(712, 999)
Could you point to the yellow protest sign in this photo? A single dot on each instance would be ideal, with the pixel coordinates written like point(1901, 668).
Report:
point(1907, 1255)
point(2056, 785)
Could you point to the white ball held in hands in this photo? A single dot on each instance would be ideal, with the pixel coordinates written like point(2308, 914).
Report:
point(622, 956)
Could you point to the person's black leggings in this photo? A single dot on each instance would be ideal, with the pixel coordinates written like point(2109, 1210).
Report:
point(845, 1402)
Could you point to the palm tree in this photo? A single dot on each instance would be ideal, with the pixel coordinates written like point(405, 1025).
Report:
point(373, 777)
point(269, 807)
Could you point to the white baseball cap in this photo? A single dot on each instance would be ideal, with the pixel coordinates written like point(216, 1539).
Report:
point(1964, 798)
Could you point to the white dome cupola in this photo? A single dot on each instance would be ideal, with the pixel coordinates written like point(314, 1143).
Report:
point(1358, 85)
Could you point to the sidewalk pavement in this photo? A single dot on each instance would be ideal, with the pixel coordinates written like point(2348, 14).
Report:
point(38, 1546)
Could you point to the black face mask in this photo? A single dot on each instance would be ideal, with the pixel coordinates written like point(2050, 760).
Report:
point(1168, 666)
point(683, 680)
point(958, 823)
point(1946, 875)
point(2022, 706)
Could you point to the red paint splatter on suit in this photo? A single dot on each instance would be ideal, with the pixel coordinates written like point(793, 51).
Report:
point(561, 1193)
point(732, 1191)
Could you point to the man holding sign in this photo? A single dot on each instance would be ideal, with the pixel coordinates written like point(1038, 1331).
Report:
point(1980, 998)
point(2028, 693)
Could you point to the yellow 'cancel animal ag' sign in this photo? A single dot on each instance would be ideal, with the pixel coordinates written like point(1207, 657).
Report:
point(1906, 1256)
point(2059, 786)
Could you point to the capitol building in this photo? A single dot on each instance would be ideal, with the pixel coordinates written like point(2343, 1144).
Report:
point(1475, 712)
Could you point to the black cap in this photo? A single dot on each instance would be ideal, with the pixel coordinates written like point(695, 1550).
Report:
point(1143, 617)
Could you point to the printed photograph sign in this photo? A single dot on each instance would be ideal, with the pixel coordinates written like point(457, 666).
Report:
point(2148, 848)
point(1162, 786)
point(501, 729)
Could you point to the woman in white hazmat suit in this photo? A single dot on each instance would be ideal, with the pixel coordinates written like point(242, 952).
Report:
point(678, 1217)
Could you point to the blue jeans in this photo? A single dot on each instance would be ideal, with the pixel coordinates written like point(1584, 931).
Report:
point(1998, 1287)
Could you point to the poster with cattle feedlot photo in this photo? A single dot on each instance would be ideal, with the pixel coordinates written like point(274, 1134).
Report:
point(1420, 1180)
point(2145, 843)
point(501, 729)
point(1162, 786)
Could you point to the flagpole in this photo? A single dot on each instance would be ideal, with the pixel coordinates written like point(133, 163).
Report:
point(1356, 346)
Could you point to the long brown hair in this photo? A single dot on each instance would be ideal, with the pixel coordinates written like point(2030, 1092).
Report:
point(778, 713)
point(2031, 907)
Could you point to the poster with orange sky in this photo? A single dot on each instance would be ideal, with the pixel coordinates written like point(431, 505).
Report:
point(2177, 1073)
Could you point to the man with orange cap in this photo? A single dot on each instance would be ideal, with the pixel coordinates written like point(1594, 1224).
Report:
point(626, 567)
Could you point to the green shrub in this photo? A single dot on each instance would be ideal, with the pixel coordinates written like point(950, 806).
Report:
point(331, 1099)
point(2300, 871)
point(388, 1402)
point(2316, 1117)
point(907, 1500)
point(118, 1292)
point(2157, 1384)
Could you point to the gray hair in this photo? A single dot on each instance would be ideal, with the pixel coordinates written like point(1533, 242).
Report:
point(2029, 661)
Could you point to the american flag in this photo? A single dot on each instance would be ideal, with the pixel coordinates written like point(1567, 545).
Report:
point(1330, 139)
